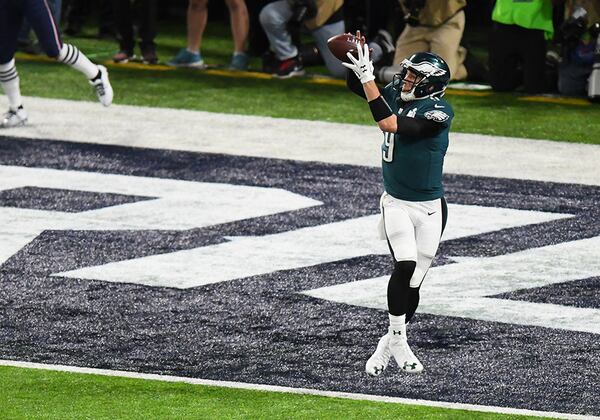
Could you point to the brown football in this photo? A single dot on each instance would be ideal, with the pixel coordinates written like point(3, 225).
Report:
point(341, 44)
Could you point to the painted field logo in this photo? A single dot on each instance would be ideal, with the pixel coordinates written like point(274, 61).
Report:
point(268, 271)
point(468, 286)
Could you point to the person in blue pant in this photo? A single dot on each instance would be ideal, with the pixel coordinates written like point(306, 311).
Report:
point(39, 16)
point(24, 41)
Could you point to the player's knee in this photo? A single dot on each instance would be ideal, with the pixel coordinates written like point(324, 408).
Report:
point(269, 18)
point(234, 5)
point(405, 266)
point(423, 264)
point(404, 269)
point(264, 16)
point(417, 277)
point(198, 5)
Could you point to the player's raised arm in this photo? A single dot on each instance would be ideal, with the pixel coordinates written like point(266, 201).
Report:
point(363, 69)
point(386, 120)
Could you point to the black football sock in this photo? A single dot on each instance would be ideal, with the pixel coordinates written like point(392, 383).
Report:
point(412, 302)
point(397, 293)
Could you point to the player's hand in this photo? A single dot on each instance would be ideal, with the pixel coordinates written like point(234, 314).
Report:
point(360, 37)
point(363, 66)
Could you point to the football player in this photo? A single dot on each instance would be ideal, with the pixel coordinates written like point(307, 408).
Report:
point(415, 121)
point(38, 14)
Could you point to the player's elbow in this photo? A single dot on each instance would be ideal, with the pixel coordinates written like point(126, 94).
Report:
point(388, 125)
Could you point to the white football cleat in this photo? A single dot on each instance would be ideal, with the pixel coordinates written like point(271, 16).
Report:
point(402, 353)
point(380, 359)
point(14, 118)
point(102, 86)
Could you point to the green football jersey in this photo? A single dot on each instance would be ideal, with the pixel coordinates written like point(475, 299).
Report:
point(412, 167)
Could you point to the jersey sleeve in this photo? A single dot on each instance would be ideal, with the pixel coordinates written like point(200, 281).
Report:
point(389, 94)
point(354, 84)
point(438, 111)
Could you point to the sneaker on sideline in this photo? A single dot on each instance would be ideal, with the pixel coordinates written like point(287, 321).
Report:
point(292, 67)
point(123, 57)
point(149, 56)
point(184, 58)
point(239, 61)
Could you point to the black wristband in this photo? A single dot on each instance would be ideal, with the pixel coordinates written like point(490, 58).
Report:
point(380, 109)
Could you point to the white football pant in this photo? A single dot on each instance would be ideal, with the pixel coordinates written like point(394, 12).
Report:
point(413, 229)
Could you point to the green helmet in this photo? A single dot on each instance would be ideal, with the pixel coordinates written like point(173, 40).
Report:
point(433, 75)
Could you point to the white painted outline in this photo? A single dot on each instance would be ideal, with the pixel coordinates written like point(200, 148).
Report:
point(288, 390)
point(283, 138)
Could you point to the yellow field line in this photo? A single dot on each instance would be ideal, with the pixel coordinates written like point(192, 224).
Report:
point(31, 57)
point(326, 81)
point(313, 80)
point(556, 100)
point(463, 92)
point(138, 66)
point(237, 73)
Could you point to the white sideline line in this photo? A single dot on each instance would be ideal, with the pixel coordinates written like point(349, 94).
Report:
point(283, 138)
point(274, 388)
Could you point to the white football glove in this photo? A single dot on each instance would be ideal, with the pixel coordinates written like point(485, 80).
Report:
point(363, 67)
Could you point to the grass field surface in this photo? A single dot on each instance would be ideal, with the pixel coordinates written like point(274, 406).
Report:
point(31, 393)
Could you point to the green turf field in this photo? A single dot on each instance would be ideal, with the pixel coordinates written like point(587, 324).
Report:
point(496, 114)
point(31, 393)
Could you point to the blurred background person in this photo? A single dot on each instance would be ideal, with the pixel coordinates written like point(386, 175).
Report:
point(258, 43)
point(322, 18)
point(76, 12)
point(380, 21)
point(517, 52)
point(578, 35)
point(435, 26)
point(197, 15)
point(125, 14)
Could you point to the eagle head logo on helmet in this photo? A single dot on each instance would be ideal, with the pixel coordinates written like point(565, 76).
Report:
point(422, 75)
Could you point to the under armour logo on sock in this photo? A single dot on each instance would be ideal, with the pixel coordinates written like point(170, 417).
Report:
point(394, 332)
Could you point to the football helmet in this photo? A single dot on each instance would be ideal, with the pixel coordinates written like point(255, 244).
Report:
point(429, 77)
